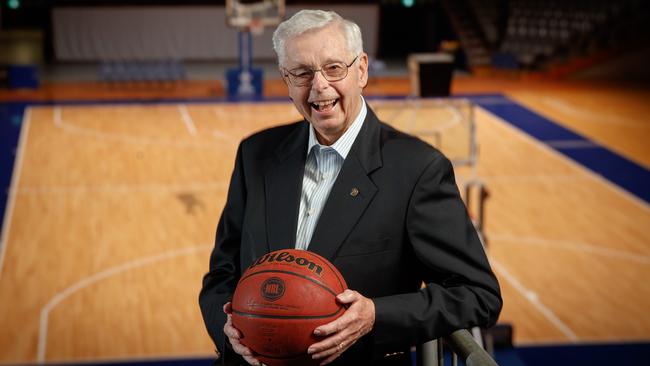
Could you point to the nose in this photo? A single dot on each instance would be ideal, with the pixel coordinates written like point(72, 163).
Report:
point(319, 81)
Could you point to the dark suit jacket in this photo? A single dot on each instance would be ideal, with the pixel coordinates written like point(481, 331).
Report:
point(407, 225)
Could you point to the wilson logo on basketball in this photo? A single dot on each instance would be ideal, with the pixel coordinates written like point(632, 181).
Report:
point(272, 289)
point(287, 257)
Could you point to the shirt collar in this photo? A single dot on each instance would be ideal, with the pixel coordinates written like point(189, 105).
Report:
point(343, 145)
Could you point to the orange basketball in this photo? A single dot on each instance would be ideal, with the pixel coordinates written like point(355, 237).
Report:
point(279, 301)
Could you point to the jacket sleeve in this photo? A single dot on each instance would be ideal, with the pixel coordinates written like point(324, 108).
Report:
point(460, 290)
point(220, 281)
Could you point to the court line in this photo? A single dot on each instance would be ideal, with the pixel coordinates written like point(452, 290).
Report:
point(573, 245)
point(533, 298)
point(187, 120)
point(572, 144)
point(457, 118)
point(15, 181)
point(592, 117)
point(59, 122)
point(97, 277)
point(582, 168)
point(414, 107)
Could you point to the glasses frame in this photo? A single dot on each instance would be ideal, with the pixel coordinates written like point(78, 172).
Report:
point(286, 74)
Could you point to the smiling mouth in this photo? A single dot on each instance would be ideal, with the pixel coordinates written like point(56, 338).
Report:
point(324, 105)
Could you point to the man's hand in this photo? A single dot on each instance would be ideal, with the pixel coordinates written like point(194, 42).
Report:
point(234, 336)
point(343, 332)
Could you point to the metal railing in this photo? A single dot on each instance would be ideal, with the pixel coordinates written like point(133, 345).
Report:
point(463, 346)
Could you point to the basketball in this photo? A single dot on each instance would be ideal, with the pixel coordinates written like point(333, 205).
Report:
point(279, 301)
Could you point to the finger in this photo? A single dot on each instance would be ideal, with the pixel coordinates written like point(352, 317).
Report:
point(252, 361)
point(331, 344)
point(240, 349)
point(324, 353)
point(227, 308)
point(234, 336)
point(231, 331)
point(336, 349)
point(339, 350)
point(331, 327)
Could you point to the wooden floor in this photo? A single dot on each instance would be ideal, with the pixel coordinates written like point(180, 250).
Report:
point(113, 208)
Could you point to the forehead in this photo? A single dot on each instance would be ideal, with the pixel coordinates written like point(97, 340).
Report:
point(316, 47)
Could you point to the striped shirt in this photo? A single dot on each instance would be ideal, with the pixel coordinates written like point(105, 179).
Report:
point(321, 169)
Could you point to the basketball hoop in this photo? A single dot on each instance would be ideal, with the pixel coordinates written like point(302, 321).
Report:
point(249, 17)
point(253, 16)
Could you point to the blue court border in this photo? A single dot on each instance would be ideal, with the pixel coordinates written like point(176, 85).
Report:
point(615, 168)
point(11, 118)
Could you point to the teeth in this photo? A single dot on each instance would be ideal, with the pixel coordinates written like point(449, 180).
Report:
point(322, 103)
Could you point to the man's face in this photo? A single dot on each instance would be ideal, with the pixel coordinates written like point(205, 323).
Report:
point(330, 107)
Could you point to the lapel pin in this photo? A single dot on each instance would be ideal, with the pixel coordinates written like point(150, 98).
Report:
point(354, 192)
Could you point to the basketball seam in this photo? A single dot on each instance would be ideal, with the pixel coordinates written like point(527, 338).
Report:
point(293, 274)
point(286, 317)
point(333, 269)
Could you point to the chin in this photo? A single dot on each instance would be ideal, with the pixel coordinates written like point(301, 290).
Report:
point(331, 123)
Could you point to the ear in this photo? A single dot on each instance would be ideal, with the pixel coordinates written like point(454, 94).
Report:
point(363, 70)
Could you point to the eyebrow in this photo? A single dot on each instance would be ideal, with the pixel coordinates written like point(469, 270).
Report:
point(299, 67)
point(330, 60)
point(304, 66)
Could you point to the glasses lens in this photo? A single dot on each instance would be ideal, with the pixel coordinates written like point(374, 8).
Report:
point(301, 77)
point(335, 71)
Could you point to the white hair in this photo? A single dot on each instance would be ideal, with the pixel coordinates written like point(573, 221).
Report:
point(306, 20)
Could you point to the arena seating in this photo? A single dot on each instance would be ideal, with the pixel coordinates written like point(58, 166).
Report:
point(535, 34)
point(155, 71)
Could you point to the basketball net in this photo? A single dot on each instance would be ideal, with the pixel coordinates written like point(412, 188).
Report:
point(252, 16)
point(256, 26)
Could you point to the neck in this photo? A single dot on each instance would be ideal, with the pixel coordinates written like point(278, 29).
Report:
point(328, 140)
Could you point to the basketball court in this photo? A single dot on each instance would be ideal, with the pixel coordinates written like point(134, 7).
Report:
point(114, 201)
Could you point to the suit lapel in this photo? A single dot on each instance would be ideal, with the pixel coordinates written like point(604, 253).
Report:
point(283, 183)
point(352, 192)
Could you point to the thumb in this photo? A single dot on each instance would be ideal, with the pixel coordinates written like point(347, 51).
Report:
point(347, 296)
point(227, 308)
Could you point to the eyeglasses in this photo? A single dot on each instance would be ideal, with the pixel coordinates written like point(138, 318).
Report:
point(303, 76)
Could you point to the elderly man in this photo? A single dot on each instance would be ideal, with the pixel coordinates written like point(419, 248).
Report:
point(382, 206)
